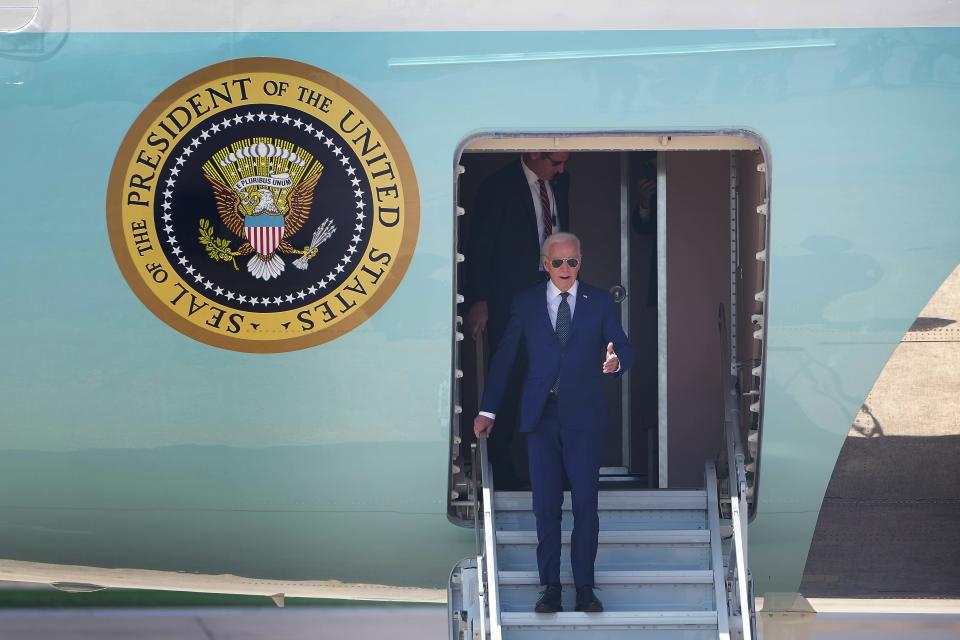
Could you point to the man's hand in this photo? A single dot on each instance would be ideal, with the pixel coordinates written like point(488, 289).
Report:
point(477, 318)
point(482, 426)
point(612, 363)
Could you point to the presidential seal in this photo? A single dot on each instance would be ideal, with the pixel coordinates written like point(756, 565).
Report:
point(262, 205)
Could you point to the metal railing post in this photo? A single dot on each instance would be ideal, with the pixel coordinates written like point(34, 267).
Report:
point(490, 542)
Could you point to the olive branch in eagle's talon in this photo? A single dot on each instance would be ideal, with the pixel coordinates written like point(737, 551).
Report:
point(321, 235)
point(217, 248)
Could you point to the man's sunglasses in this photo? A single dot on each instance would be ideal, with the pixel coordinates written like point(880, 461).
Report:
point(556, 263)
point(553, 163)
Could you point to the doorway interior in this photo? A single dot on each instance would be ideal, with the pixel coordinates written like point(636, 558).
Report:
point(687, 272)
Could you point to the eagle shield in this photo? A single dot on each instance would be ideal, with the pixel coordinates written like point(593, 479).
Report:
point(264, 233)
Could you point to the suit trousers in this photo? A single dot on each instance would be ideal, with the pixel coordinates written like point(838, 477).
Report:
point(553, 450)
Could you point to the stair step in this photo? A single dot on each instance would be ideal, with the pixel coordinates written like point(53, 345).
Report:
point(608, 619)
point(682, 536)
point(615, 633)
point(615, 577)
point(619, 590)
point(614, 557)
point(632, 628)
point(652, 569)
point(613, 520)
point(664, 499)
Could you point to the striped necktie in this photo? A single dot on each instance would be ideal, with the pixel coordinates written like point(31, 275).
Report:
point(545, 213)
point(563, 330)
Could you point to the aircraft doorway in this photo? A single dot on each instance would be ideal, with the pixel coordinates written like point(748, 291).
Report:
point(609, 178)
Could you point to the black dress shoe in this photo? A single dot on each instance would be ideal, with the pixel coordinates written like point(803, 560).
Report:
point(549, 601)
point(587, 601)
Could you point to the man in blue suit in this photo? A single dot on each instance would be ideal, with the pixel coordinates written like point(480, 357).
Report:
point(571, 334)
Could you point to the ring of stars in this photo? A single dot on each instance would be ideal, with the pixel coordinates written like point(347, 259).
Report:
point(208, 285)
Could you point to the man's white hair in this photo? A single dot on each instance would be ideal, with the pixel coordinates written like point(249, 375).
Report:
point(560, 236)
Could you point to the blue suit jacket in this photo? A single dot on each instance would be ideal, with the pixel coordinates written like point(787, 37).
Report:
point(582, 402)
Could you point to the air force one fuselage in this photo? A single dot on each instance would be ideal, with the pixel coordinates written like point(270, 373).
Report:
point(157, 441)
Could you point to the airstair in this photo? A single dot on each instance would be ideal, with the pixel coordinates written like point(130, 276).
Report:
point(670, 564)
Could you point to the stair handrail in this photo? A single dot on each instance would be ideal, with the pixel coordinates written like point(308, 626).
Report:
point(483, 492)
point(477, 488)
point(477, 538)
point(490, 542)
point(738, 573)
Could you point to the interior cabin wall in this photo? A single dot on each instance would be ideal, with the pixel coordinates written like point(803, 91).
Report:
point(698, 282)
point(595, 219)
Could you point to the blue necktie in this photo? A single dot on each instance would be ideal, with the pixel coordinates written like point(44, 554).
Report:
point(563, 319)
point(563, 331)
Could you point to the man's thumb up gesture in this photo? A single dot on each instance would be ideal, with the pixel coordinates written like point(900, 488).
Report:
point(612, 363)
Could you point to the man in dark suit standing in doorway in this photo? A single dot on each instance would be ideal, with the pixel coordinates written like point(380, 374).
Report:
point(571, 334)
point(517, 208)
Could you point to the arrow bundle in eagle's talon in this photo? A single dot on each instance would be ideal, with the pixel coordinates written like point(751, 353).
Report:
point(321, 235)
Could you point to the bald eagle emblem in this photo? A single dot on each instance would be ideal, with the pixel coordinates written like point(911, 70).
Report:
point(264, 194)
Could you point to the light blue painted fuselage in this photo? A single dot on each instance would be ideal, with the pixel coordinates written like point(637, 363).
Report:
point(125, 444)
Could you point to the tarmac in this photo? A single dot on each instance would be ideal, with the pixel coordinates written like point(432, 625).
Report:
point(226, 624)
point(889, 523)
point(873, 620)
